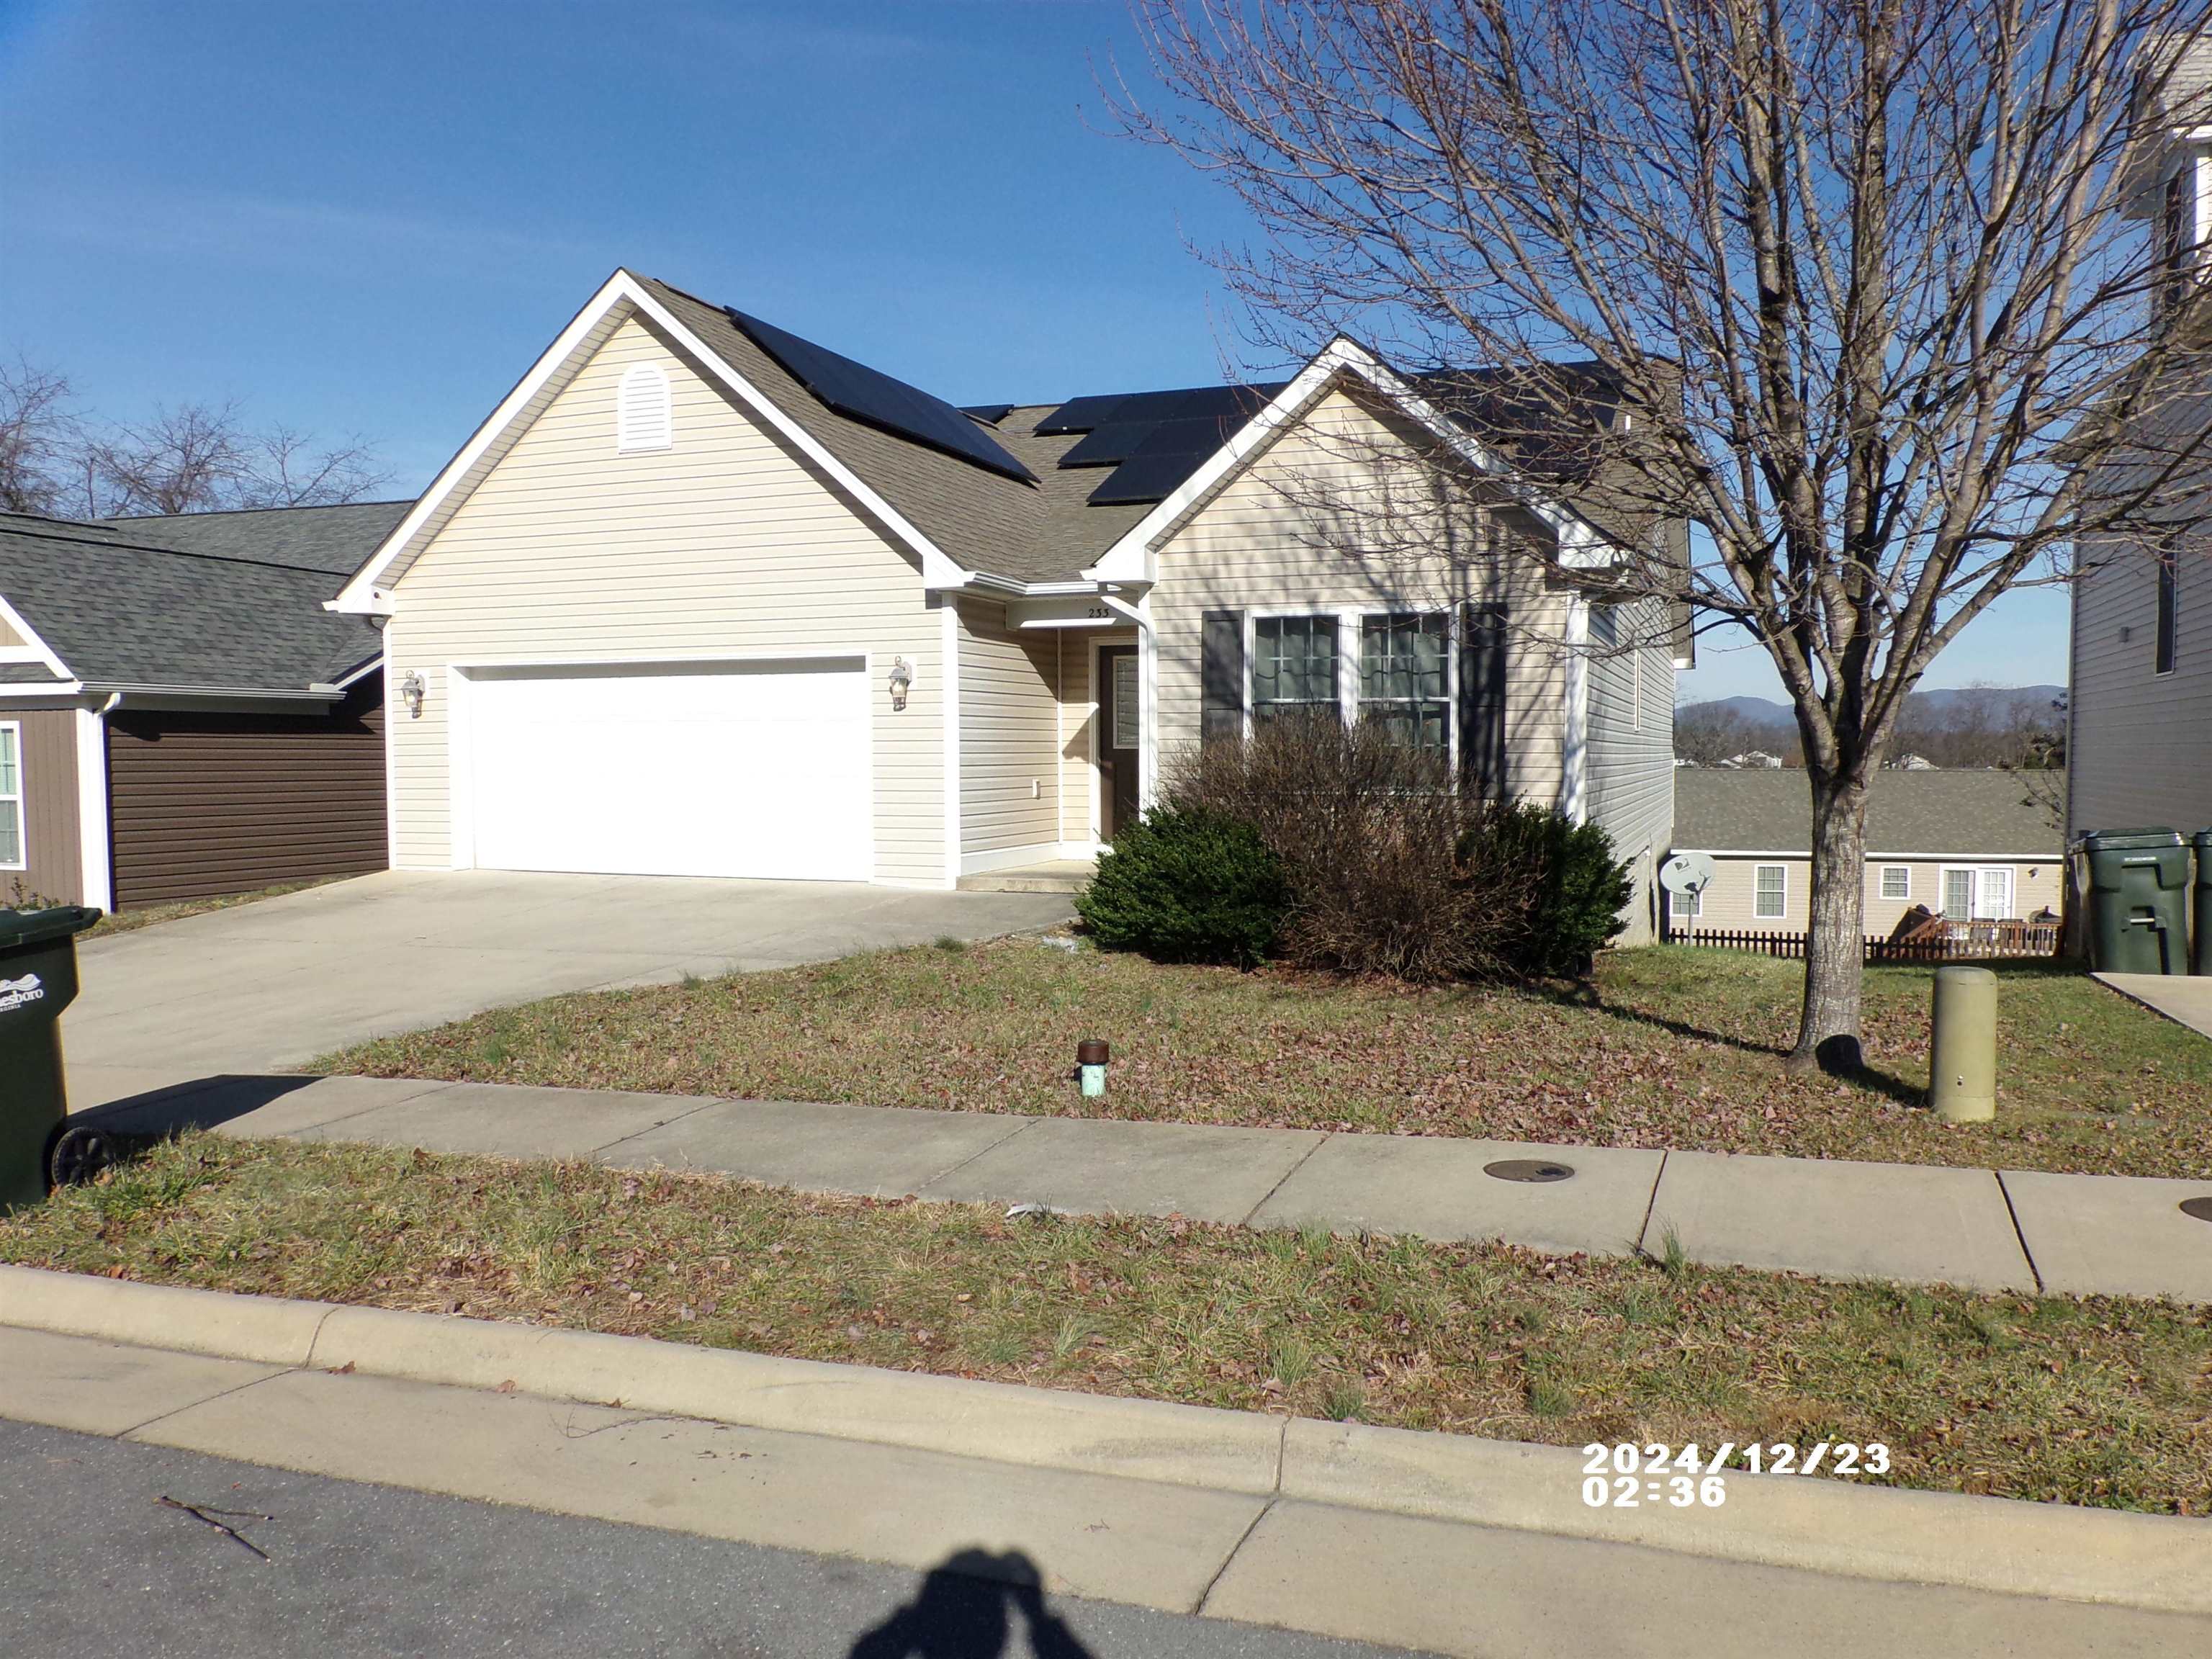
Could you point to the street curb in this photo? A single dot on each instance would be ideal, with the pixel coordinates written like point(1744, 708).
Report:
point(2155, 1562)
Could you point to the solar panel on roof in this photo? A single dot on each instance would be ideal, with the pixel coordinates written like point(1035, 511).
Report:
point(1078, 414)
point(868, 394)
point(1147, 478)
point(1109, 444)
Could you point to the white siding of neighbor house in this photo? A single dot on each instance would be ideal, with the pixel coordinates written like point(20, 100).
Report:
point(1280, 537)
point(722, 544)
point(2140, 748)
point(1730, 903)
point(1631, 752)
point(1009, 721)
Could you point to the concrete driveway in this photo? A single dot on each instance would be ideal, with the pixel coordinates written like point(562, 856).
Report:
point(275, 983)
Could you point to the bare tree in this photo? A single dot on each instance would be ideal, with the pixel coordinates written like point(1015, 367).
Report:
point(1871, 275)
point(201, 458)
point(36, 435)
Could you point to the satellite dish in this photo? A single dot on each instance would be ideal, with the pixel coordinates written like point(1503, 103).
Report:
point(1687, 873)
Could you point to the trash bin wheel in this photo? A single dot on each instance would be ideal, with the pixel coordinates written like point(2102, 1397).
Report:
point(75, 1156)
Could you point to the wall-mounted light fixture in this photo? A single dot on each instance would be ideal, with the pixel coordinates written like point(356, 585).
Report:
point(411, 693)
point(902, 681)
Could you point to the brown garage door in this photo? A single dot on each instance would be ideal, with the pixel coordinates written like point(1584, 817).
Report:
point(203, 804)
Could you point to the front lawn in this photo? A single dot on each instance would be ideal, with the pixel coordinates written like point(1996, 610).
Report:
point(2101, 1402)
point(1671, 1047)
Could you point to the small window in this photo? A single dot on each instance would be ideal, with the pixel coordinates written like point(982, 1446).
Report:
point(1770, 900)
point(1685, 906)
point(2169, 597)
point(1896, 881)
point(1405, 678)
point(1126, 719)
point(642, 415)
point(1293, 665)
point(11, 796)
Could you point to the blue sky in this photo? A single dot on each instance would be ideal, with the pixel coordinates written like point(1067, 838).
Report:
point(371, 217)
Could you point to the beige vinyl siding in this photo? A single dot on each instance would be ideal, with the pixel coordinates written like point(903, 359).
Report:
point(1010, 723)
point(2140, 752)
point(724, 544)
point(54, 852)
point(1631, 761)
point(1284, 534)
point(1729, 902)
point(9, 636)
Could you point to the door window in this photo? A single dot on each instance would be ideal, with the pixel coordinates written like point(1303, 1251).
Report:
point(1126, 719)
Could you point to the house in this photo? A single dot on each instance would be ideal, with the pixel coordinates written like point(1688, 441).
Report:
point(702, 598)
point(1754, 760)
point(1973, 846)
point(179, 716)
point(2139, 706)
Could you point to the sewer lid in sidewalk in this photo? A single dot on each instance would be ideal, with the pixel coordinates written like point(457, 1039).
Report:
point(2199, 1207)
point(1528, 1169)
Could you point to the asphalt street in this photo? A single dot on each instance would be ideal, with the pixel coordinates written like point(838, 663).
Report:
point(93, 1564)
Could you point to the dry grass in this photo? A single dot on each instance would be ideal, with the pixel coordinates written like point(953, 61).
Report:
point(1670, 1047)
point(2101, 1402)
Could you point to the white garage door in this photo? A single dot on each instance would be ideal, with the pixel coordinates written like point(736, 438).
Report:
point(691, 769)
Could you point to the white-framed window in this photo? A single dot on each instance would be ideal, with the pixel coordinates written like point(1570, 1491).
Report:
point(1405, 678)
point(1896, 881)
point(643, 417)
point(14, 853)
point(1294, 667)
point(1979, 892)
point(1685, 906)
point(1770, 898)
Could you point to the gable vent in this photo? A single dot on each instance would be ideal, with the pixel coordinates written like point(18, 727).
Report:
point(642, 419)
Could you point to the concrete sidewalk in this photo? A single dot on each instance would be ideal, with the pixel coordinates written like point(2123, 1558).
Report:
point(1916, 1224)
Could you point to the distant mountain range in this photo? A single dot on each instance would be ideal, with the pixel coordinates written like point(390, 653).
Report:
point(1941, 707)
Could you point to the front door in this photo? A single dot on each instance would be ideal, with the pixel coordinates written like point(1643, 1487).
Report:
point(1118, 718)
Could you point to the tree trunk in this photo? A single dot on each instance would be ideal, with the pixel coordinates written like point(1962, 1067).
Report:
point(1835, 956)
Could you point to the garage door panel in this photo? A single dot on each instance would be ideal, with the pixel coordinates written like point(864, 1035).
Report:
point(754, 770)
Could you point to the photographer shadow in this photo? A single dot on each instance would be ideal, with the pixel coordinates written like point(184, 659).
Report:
point(968, 1607)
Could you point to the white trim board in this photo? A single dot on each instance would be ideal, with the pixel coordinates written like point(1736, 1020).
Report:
point(33, 649)
point(95, 841)
point(21, 801)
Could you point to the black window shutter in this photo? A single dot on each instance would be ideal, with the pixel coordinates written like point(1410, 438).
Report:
point(1222, 675)
point(1482, 701)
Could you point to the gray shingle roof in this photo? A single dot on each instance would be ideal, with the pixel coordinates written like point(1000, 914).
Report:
point(1047, 531)
point(336, 539)
point(122, 609)
point(1967, 814)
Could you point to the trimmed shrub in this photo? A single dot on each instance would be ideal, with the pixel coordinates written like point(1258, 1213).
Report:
point(1187, 885)
point(1575, 887)
point(1390, 870)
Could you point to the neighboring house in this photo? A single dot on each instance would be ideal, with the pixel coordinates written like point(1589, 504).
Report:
point(179, 716)
point(1754, 760)
point(1969, 845)
point(699, 597)
point(1911, 763)
point(2139, 708)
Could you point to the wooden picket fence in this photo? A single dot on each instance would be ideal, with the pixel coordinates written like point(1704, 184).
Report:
point(1956, 941)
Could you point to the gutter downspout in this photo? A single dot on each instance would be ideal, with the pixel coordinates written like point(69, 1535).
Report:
point(95, 834)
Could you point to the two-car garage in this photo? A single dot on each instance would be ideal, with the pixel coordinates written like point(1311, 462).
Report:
point(744, 768)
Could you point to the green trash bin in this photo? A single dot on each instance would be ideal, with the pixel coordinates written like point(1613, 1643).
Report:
point(38, 979)
point(2138, 918)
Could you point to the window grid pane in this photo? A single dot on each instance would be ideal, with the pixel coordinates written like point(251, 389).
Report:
point(1959, 895)
point(1405, 678)
point(11, 832)
point(1897, 882)
point(1294, 661)
point(1772, 898)
point(9, 789)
